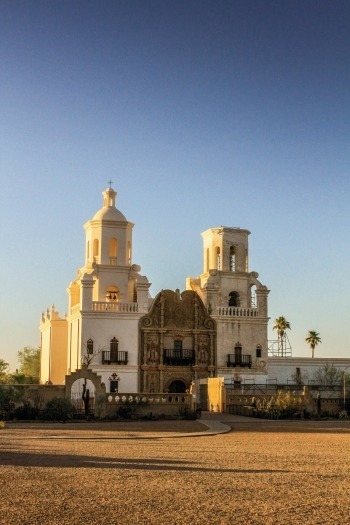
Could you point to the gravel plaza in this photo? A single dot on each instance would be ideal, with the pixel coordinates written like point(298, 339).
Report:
point(158, 472)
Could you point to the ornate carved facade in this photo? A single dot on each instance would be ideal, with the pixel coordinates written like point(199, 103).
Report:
point(177, 343)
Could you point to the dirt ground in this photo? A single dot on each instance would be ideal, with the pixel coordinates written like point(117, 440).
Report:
point(127, 473)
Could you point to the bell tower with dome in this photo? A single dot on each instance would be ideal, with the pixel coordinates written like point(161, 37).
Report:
point(106, 301)
point(109, 252)
point(237, 301)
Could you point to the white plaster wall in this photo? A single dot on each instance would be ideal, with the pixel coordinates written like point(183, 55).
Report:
point(128, 377)
point(229, 376)
point(101, 329)
point(282, 368)
point(249, 333)
point(74, 358)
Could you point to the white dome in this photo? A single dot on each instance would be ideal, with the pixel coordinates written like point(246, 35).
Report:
point(109, 213)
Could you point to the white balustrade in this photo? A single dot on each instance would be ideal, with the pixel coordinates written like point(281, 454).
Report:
point(103, 306)
point(155, 399)
point(236, 311)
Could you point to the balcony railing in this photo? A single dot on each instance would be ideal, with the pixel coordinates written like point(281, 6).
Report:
point(239, 360)
point(236, 311)
point(114, 357)
point(173, 357)
point(104, 306)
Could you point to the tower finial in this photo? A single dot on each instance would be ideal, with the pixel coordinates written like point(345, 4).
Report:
point(110, 182)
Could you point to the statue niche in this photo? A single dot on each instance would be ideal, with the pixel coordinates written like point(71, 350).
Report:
point(152, 349)
point(203, 350)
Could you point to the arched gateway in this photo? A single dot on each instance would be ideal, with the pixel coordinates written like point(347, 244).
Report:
point(88, 377)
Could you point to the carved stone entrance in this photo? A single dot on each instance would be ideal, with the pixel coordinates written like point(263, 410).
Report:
point(177, 343)
point(177, 387)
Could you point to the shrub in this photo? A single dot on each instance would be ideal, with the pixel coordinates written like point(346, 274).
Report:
point(125, 411)
point(58, 409)
point(186, 413)
point(2, 425)
point(282, 405)
point(26, 411)
point(9, 396)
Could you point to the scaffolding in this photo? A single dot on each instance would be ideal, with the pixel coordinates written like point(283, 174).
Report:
point(280, 348)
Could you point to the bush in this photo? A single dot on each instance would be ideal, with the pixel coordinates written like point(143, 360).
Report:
point(130, 409)
point(9, 396)
point(26, 411)
point(2, 425)
point(282, 405)
point(125, 411)
point(58, 409)
point(186, 413)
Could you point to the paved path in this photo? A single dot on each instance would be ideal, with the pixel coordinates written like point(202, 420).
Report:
point(213, 421)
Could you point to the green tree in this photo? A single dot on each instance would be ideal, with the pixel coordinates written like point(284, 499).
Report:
point(29, 360)
point(313, 338)
point(3, 371)
point(281, 325)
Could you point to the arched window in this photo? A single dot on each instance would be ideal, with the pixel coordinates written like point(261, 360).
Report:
point(113, 345)
point(113, 251)
point(218, 262)
point(90, 347)
point(233, 299)
point(258, 351)
point(87, 251)
point(112, 293)
point(232, 259)
point(253, 302)
point(129, 252)
point(207, 261)
point(113, 386)
point(238, 351)
point(95, 248)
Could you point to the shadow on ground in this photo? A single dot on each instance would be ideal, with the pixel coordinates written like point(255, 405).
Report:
point(10, 458)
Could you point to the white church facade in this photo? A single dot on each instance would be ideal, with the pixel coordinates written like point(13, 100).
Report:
point(217, 327)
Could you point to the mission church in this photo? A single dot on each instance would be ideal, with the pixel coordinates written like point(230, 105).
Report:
point(217, 327)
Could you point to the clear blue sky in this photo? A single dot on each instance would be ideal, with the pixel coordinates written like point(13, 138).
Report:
point(204, 113)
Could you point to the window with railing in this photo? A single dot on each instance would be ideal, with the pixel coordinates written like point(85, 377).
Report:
point(242, 360)
point(178, 357)
point(115, 357)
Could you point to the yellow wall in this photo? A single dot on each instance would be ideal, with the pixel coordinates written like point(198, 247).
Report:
point(216, 394)
point(54, 339)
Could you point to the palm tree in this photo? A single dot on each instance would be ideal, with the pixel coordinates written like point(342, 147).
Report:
point(313, 338)
point(281, 325)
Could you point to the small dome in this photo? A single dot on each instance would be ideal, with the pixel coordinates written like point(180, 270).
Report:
point(109, 214)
